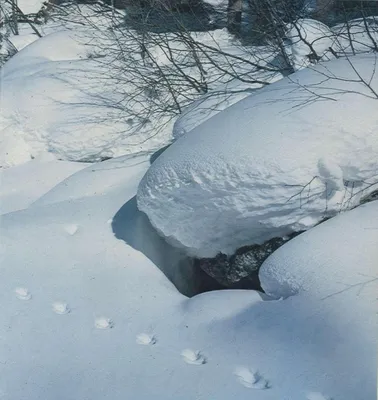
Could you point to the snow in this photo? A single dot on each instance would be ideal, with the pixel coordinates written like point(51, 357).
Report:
point(343, 249)
point(21, 41)
point(357, 36)
point(92, 310)
point(307, 36)
point(24, 184)
point(95, 304)
point(265, 167)
point(222, 97)
point(42, 112)
point(53, 98)
point(30, 6)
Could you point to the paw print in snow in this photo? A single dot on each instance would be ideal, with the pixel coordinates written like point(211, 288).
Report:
point(104, 323)
point(193, 357)
point(71, 229)
point(22, 293)
point(146, 339)
point(251, 379)
point(60, 308)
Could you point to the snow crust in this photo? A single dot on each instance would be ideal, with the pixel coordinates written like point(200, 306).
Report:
point(278, 161)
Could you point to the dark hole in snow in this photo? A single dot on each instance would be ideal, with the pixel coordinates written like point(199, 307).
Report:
point(133, 227)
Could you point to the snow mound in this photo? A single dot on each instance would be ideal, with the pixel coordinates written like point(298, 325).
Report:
point(56, 98)
point(21, 41)
point(59, 46)
point(30, 6)
point(357, 36)
point(276, 162)
point(308, 38)
point(24, 184)
point(337, 256)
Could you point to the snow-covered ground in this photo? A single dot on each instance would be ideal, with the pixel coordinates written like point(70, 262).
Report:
point(96, 305)
point(86, 313)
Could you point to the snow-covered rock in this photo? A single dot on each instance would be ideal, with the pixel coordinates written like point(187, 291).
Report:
point(277, 162)
point(337, 256)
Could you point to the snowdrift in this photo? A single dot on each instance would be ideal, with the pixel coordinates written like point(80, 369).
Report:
point(276, 162)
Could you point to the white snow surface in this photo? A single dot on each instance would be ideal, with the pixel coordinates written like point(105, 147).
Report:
point(309, 36)
point(56, 99)
point(30, 6)
point(60, 96)
point(276, 162)
point(23, 184)
point(73, 306)
point(335, 257)
point(217, 100)
point(357, 36)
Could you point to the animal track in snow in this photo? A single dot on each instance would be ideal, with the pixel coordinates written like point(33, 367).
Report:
point(23, 293)
point(104, 323)
point(251, 379)
point(193, 357)
point(317, 396)
point(60, 308)
point(146, 339)
point(71, 229)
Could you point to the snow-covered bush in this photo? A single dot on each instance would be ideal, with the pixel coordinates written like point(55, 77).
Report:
point(276, 162)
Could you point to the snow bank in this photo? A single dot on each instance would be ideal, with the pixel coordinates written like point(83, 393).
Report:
point(276, 162)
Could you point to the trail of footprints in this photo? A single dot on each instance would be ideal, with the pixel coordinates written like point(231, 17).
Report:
point(249, 378)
